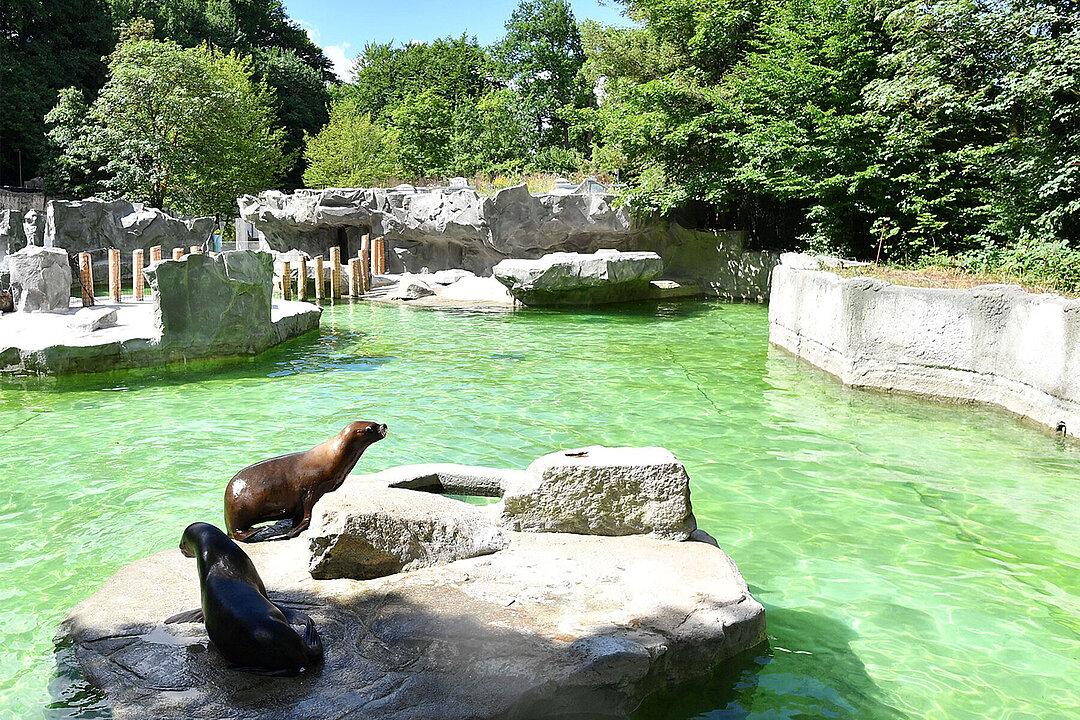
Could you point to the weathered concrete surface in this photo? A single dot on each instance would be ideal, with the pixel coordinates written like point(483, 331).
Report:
point(202, 307)
point(94, 225)
point(602, 491)
point(606, 276)
point(40, 279)
point(994, 344)
point(447, 229)
point(553, 626)
point(363, 532)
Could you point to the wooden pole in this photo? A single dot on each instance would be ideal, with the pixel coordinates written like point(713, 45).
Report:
point(155, 254)
point(335, 272)
point(365, 266)
point(86, 279)
point(378, 260)
point(114, 274)
point(136, 273)
point(177, 253)
point(286, 281)
point(320, 285)
point(354, 277)
point(301, 279)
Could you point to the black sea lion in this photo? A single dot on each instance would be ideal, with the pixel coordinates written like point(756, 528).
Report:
point(250, 631)
point(289, 486)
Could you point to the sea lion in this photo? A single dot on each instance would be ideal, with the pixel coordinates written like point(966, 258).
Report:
point(249, 630)
point(288, 486)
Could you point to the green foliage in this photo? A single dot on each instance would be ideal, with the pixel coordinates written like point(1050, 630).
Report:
point(541, 58)
point(45, 45)
point(175, 127)
point(351, 151)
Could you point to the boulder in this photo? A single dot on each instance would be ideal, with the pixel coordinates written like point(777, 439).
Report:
point(553, 626)
point(12, 235)
point(602, 491)
point(89, 319)
point(449, 277)
point(367, 533)
point(210, 306)
point(477, 289)
point(410, 288)
point(40, 279)
point(606, 276)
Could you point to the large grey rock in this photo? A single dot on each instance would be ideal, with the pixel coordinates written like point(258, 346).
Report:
point(602, 491)
point(12, 235)
point(606, 276)
point(458, 228)
point(210, 306)
point(40, 279)
point(410, 288)
point(363, 533)
point(553, 626)
point(93, 225)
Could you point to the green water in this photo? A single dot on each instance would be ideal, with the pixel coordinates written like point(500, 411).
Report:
point(916, 559)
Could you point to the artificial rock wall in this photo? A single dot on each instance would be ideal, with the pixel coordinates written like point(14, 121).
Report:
point(994, 344)
point(458, 228)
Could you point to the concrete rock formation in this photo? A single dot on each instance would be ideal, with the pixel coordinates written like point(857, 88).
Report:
point(208, 306)
point(363, 533)
point(995, 343)
point(40, 279)
point(552, 625)
point(602, 491)
point(458, 229)
point(606, 276)
point(94, 225)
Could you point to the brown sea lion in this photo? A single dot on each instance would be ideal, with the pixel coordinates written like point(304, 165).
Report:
point(251, 632)
point(289, 486)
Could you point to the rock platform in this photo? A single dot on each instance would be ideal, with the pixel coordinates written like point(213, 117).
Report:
point(489, 622)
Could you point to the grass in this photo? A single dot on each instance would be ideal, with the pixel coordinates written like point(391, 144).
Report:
point(944, 276)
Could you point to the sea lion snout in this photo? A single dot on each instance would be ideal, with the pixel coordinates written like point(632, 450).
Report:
point(377, 429)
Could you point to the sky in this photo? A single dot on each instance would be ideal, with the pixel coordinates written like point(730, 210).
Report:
point(342, 28)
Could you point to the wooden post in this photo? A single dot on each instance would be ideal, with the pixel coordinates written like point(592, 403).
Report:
point(301, 279)
point(136, 273)
point(365, 267)
point(114, 274)
point(354, 277)
point(177, 253)
point(335, 272)
point(378, 256)
point(86, 279)
point(286, 281)
point(320, 285)
point(196, 249)
point(155, 254)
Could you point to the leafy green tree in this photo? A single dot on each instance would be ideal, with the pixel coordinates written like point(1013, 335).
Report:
point(351, 150)
point(185, 128)
point(490, 136)
point(45, 45)
point(424, 134)
point(540, 58)
point(282, 54)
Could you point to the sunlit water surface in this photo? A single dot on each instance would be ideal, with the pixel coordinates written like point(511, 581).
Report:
point(916, 559)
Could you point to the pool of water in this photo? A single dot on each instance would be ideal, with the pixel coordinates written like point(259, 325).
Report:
point(916, 559)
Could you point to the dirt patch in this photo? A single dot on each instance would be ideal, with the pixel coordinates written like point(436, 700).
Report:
point(942, 277)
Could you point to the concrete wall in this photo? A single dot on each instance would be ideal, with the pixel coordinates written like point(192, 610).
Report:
point(995, 344)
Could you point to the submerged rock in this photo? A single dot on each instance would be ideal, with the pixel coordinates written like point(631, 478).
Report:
point(607, 276)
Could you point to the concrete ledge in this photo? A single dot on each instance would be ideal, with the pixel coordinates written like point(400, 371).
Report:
point(994, 344)
point(47, 344)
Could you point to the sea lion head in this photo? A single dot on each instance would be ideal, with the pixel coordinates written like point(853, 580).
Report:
point(196, 535)
point(363, 433)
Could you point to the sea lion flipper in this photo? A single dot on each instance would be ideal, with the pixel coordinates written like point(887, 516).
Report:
point(305, 628)
point(188, 616)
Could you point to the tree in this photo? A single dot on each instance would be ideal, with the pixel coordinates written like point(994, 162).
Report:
point(45, 45)
point(282, 54)
point(540, 58)
point(351, 151)
point(424, 133)
point(175, 127)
